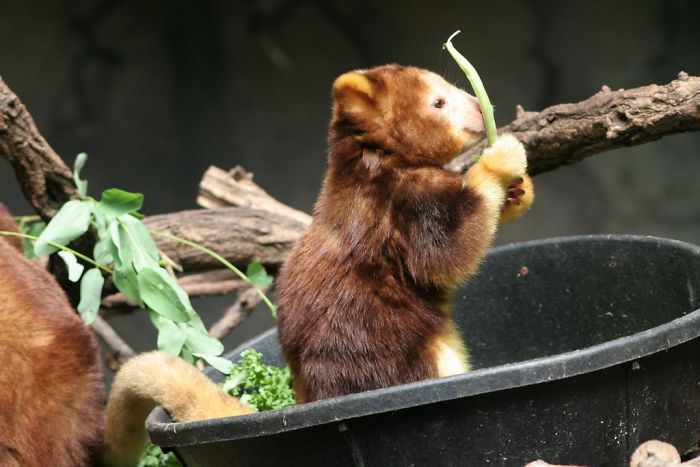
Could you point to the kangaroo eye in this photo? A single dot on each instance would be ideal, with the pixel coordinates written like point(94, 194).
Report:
point(439, 103)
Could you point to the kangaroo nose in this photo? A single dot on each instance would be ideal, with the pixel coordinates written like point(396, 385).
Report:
point(474, 122)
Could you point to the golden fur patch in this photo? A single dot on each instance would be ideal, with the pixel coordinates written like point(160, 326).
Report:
point(353, 81)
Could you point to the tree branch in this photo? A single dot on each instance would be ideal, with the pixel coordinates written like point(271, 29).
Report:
point(45, 179)
point(119, 348)
point(236, 188)
point(240, 235)
point(244, 305)
point(567, 133)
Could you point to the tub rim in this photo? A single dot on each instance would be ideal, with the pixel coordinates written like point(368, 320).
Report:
point(513, 375)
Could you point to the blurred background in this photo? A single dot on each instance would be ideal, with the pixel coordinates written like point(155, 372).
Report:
point(157, 91)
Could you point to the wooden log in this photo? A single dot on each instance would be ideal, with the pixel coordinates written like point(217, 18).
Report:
point(235, 188)
point(241, 235)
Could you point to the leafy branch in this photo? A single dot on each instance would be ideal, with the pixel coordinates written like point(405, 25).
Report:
point(255, 274)
point(126, 251)
point(58, 246)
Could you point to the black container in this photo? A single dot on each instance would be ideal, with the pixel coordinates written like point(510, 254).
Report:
point(583, 348)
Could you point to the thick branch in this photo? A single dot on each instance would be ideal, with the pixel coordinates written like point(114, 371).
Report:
point(45, 179)
point(566, 133)
point(241, 235)
point(236, 188)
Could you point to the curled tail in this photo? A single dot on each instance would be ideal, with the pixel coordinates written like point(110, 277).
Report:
point(151, 379)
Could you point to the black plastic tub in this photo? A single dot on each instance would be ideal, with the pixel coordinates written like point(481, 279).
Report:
point(583, 348)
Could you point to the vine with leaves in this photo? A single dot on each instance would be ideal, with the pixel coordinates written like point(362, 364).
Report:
point(126, 252)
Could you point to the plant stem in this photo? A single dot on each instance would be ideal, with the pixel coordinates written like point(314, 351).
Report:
point(220, 259)
point(31, 218)
point(87, 259)
point(479, 90)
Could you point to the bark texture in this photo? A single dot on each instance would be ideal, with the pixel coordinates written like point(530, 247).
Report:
point(240, 235)
point(46, 180)
point(567, 133)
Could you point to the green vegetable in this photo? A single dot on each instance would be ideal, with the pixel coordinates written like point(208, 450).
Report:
point(262, 386)
point(478, 86)
point(153, 456)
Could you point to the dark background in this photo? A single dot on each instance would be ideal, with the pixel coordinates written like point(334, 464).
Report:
point(157, 91)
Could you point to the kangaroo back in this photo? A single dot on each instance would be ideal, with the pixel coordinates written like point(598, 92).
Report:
point(51, 378)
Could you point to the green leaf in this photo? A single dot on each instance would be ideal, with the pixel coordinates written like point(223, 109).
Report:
point(196, 323)
point(81, 184)
point(262, 386)
point(153, 456)
point(90, 295)
point(102, 253)
point(115, 202)
point(221, 364)
point(34, 229)
point(187, 356)
point(126, 281)
point(171, 337)
point(257, 275)
point(69, 223)
point(202, 343)
point(133, 242)
point(75, 269)
point(162, 294)
point(123, 250)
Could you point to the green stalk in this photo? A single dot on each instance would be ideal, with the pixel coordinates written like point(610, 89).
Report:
point(87, 259)
point(26, 218)
point(478, 86)
point(220, 259)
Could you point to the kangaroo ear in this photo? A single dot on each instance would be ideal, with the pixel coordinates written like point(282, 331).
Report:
point(354, 93)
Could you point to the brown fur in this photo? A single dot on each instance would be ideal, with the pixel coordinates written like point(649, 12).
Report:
point(365, 294)
point(151, 379)
point(51, 378)
point(51, 396)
